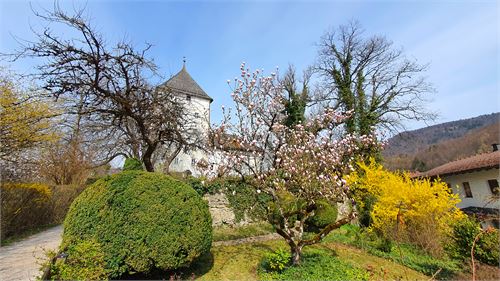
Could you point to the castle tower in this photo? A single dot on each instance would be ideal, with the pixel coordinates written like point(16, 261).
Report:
point(196, 105)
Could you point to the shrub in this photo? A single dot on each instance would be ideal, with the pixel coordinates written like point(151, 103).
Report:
point(85, 261)
point(132, 164)
point(24, 206)
point(406, 254)
point(61, 199)
point(278, 260)
point(142, 221)
point(27, 207)
point(408, 210)
point(462, 238)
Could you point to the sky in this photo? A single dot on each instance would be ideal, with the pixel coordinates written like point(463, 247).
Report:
point(458, 39)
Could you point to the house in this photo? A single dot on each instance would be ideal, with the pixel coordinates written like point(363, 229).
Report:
point(476, 180)
point(197, 105)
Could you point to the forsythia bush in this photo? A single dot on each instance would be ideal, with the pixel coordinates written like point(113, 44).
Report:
point(24, 206)
point(419, 211)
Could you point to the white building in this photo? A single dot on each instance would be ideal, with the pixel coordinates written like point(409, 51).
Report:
point(197, 105)
point(476, 181)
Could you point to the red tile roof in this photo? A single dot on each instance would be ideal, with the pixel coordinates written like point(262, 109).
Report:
point(469, 164)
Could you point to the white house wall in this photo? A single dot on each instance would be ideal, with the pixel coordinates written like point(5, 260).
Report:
point(201, 109)
point(478, 181)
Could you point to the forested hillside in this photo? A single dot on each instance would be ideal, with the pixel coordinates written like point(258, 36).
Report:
point(435, 145)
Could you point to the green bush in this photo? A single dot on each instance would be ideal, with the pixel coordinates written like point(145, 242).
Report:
point(325, 214)
point(405, 254)
point(132, 164)
point(278, 260)
point(198, 184)
point(462, 239)
point(142, 221)
point(85, 261)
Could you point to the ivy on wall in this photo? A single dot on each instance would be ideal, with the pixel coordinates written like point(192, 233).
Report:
point(243, 198)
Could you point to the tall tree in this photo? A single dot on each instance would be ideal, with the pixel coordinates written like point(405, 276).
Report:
point(107, 87)
point(372, 80)
point(296, 101)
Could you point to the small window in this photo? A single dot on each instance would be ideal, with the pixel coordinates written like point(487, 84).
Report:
point(176, 160)
point(494, 186)
point(468, 192)
point(196, 115)
point(188, 97)
point(193, 162)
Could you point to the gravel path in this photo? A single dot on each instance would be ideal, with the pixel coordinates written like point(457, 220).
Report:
point(18, 261)
point(271, 236)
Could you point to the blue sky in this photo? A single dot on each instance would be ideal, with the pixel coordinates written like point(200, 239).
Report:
point(459, 39)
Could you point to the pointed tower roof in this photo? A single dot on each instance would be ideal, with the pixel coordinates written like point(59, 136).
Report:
point(183, 82)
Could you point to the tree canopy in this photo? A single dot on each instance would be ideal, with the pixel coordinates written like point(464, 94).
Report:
point(371, 79)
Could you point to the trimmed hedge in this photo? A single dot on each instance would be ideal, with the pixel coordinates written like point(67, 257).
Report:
point(142, 221)
point(24, 206)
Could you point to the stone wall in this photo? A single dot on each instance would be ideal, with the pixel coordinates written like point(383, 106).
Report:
point(221, 211)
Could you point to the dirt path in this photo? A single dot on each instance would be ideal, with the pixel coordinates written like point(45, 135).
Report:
point(19, 260)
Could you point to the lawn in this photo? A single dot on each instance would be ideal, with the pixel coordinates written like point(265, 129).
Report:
point(241, 262)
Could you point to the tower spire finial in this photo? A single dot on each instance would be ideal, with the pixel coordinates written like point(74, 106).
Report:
point(184, 62)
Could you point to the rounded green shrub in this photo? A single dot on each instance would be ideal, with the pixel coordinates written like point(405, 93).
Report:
point(142, 221)
point(85, 262)
point(325, 214)
point(462, 239)
point(132, 164)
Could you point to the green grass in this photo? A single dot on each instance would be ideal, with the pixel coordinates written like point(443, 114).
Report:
point(26, 234)
point(317, 264)
point(224, 233)
point(243, 262)
point(404, 254)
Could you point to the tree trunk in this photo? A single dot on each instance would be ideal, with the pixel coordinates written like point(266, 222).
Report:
point(170, 158)
point(146, 159)
point(296, 255)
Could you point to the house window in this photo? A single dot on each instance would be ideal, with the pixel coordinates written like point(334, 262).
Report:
point(193, 162)
point(468, 192)
point(176, 160)
point(188, 98)
point(196, 115)
point(494, 186)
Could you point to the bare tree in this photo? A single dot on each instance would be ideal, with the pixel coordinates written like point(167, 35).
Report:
point(372, 79)
point(107, 87)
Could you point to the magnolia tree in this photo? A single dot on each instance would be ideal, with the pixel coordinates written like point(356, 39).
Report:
point(296, 165)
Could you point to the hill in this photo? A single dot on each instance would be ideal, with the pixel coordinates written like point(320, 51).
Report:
point(429, 147)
